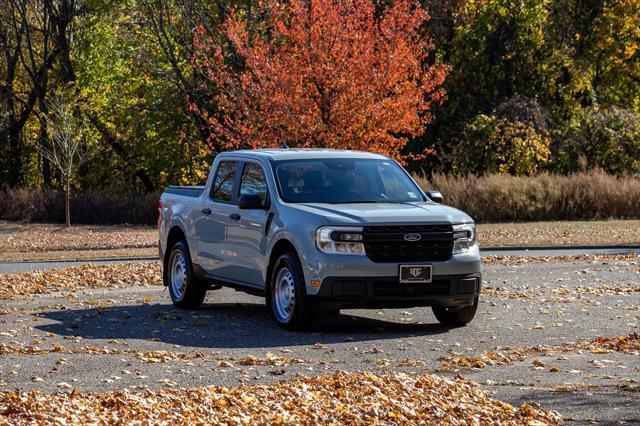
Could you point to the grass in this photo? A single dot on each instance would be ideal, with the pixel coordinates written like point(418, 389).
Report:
point(587, 233)
point(69, 255)
point(22, 242)
point(592, 195)
point(19, 242)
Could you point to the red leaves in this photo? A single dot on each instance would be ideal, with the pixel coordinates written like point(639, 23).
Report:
point(326, 74)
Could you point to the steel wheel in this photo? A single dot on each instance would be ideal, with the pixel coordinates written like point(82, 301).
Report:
point(186, 291)
point(285, 294)
point(179, 276)
point(288, 295)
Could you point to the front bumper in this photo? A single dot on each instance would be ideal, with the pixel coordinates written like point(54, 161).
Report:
point(387, 292)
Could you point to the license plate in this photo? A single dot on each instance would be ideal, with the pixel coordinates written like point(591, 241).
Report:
point(415, 273)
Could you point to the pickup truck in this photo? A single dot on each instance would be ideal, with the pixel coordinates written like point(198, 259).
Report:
point(315, 231)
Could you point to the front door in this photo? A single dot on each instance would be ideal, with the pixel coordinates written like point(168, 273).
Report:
point(246, 238)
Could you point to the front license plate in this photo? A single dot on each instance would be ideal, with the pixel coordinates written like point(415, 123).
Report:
point(415, 273)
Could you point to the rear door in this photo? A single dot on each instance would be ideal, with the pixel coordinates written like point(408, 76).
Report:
point(217, 214)
point(246, 238)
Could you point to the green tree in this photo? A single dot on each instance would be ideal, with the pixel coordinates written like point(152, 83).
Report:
point(143, 139)
point(607, 138)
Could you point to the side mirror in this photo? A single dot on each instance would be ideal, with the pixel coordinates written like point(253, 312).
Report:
point(250, 202)
point(435, 196)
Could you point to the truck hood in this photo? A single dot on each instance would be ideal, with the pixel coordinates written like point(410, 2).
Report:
point(385, 213)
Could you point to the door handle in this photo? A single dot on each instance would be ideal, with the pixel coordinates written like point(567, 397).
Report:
point(234, 216)
point(206, 211)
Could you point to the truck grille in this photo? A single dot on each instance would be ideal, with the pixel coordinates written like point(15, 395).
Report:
point(387, 243)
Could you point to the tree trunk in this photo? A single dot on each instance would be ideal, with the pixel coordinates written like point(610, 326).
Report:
point(44, 142)
point(67, 196)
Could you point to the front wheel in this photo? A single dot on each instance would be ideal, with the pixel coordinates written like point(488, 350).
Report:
point(186, 292)
point(289, 296)
point(456, 316)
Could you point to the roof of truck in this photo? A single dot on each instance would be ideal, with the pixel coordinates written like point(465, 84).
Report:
point(304, 154)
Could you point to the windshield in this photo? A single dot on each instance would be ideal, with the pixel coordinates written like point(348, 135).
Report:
point(345, 181)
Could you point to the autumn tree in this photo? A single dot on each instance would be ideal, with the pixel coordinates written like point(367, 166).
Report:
point(66, 146)
point(319, 73)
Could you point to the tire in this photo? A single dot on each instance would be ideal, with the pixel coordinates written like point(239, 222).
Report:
point(456, 316)
point(288, 294)
point(328, 313)
point(185, 290)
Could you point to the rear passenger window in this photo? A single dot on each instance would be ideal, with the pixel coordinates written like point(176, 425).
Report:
point(253, 181)
point(223, 184)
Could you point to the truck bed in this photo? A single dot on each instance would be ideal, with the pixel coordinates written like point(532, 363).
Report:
point(185, 191)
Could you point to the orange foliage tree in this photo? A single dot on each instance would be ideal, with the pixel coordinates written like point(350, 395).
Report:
point(320, 73)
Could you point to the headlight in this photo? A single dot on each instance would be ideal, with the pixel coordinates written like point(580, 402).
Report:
point(340, 240)
point(464, 237)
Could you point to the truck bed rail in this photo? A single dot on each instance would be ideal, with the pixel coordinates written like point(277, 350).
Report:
point(186, 191)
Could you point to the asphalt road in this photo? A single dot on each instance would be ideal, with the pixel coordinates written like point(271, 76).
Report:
point(215, 341)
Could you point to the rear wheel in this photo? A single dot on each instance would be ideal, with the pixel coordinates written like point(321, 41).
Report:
point(289, 296)
point(456, 316)
point(185, 290)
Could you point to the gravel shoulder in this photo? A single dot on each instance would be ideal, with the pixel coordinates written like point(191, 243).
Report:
point(130, 337)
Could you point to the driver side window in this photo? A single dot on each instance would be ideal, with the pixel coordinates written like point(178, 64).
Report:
point(253, 181)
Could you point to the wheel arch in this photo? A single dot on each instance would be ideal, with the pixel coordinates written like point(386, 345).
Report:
point(282, 246)
point(175, 235)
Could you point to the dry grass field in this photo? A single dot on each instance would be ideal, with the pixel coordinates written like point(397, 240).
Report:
point(20, 242)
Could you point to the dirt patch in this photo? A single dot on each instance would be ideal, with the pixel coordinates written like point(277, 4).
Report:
point(20, 242)
point(44, 241)
point(93, 254)
point(531, 234)
point(633, 258)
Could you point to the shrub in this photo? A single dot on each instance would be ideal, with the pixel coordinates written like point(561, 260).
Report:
point(491, 144)
point(525, 110)
point(29, 205)
point(608, 138)
point(490, 198)
point(505, 198)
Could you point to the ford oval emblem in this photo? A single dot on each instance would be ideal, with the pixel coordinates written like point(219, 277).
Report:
point(412, 237)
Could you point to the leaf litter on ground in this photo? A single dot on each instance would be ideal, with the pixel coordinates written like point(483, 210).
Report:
point(122, 275)
point(628, 344)
point(346, 398)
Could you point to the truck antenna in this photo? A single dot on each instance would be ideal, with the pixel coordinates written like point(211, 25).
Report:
point(284, 145)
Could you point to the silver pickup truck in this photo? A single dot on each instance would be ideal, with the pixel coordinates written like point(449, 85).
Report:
point(316, 231)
